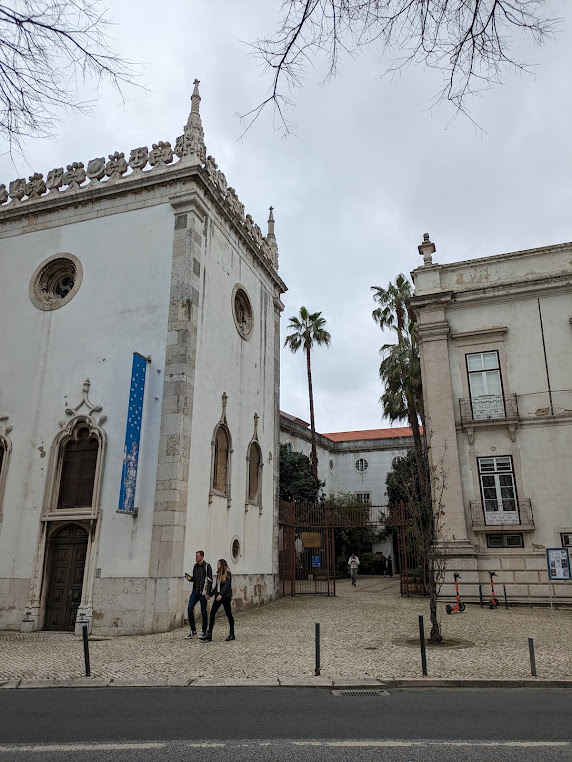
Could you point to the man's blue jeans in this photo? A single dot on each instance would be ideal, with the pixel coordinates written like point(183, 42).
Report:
point(195, 598)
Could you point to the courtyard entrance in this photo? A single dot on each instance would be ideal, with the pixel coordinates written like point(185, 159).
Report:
point(307, 546)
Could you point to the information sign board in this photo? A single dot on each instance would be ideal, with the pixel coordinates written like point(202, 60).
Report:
point(558, 562)
point(316, 562)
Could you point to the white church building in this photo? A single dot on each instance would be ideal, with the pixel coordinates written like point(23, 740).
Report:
point(139, 382)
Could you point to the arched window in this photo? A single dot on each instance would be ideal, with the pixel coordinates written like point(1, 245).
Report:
point(254, 473)
point(79, 460)
point(220, 465)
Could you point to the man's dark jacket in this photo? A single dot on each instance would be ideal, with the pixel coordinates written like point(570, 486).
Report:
point(200, 571)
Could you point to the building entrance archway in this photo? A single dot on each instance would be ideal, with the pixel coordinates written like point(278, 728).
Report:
point(67, 553)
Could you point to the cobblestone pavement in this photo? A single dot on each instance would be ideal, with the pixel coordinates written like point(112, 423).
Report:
point(358, 630)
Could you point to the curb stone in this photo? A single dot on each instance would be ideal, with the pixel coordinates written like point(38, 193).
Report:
point(139, 682)
point(82, 682)
point(285, 682)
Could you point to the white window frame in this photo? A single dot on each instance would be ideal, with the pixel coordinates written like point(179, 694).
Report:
point(361, 465)
point(566, 539)
point(490, 404)
point(497, 473)
point(365, 497)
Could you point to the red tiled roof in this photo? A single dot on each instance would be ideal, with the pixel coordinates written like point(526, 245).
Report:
point(353, 436)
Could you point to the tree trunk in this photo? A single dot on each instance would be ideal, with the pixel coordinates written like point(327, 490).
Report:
point(314, 457)
point(435, 635)
point(417, 444)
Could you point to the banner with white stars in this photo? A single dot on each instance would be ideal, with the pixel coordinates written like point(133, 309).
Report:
point(132, 435)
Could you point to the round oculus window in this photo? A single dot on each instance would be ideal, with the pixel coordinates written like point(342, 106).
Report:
point(242, 312)
point(362, 464)
point(331, 464)
point(235, 549)
point(56, 281)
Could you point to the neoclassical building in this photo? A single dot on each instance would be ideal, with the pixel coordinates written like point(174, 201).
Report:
point(351, 462)
point(495, 337)
point(138, 389)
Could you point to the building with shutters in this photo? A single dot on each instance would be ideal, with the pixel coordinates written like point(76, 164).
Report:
point(495, 337)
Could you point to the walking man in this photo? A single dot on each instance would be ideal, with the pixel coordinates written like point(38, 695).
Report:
point(202, 579)
point(353, 564)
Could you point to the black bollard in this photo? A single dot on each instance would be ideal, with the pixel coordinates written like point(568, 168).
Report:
point(422, 643)
point(505, 598)
point(317, 671)
point(481, 595)
point(86, 650)
point(532, 659)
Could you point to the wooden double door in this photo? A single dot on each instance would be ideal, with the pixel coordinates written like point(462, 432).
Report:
point(68, 550)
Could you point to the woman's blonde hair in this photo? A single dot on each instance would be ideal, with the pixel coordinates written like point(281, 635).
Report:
point(221, 573)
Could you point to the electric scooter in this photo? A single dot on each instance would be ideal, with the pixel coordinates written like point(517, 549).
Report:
point(493, 603)
point(460, 607)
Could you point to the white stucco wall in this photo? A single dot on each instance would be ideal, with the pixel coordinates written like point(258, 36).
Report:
point(244, 370)
point(121, 307)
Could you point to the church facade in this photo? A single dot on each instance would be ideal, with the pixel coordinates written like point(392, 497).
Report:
point(138, 390)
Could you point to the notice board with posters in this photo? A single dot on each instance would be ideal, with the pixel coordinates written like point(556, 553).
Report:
point(558, 562)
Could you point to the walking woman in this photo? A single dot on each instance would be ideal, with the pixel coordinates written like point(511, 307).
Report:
point(222, 594)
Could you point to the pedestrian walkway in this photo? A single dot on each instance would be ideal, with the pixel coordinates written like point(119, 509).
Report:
point(359, 631)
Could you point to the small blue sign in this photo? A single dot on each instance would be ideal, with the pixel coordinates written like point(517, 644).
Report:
point(132, 435)
point(316, 562)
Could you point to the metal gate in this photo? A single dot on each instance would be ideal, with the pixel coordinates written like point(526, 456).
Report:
point(307, 552)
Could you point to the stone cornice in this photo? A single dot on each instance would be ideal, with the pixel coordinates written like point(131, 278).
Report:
point(424, 300)
point(482, 333)
point(174, 185)
point(432, 331)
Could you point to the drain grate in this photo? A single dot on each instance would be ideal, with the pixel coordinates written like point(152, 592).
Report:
point(361, 693)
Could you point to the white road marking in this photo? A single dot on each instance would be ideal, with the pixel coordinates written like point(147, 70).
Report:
point(84, 747)
point(519, 744)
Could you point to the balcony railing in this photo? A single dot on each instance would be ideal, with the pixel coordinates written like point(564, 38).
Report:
point(499, 513)
point(488, 407)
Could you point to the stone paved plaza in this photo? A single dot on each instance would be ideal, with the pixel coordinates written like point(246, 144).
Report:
point(358, 627)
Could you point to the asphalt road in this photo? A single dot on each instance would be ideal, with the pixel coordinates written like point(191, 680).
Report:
point(225, 724)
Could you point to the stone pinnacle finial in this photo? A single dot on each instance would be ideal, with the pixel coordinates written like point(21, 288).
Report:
point(271, 224)
point(426, 249)
point(271, 238)
point(191, 145)
point(195, 97)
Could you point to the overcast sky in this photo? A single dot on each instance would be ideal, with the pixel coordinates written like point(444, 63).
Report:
point(368, 169)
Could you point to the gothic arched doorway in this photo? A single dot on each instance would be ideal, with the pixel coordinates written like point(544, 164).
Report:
point(67, 554)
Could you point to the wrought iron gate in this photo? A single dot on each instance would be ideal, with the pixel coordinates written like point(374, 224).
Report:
point(307, 551)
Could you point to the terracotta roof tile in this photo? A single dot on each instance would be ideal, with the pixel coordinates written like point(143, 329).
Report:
point(353, 436)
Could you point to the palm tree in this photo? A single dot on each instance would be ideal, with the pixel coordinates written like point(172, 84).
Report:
point(400, 368)
point(308, 330)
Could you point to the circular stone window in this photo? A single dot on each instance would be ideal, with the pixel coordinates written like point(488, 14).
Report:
point(362, 464)
point(242, 312)
point(55, 282)
point(235, 549)
point(331, 464)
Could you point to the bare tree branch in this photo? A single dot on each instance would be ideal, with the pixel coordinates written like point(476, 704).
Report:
point(469, 41)
point(47, 49)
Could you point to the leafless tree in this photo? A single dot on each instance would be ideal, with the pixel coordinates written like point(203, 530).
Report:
point(468, 41)
point(47, 48)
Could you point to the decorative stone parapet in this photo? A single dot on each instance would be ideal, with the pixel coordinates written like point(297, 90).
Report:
point(190, 149)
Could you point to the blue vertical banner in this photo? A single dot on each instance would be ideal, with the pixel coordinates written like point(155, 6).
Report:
point(132, 435)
